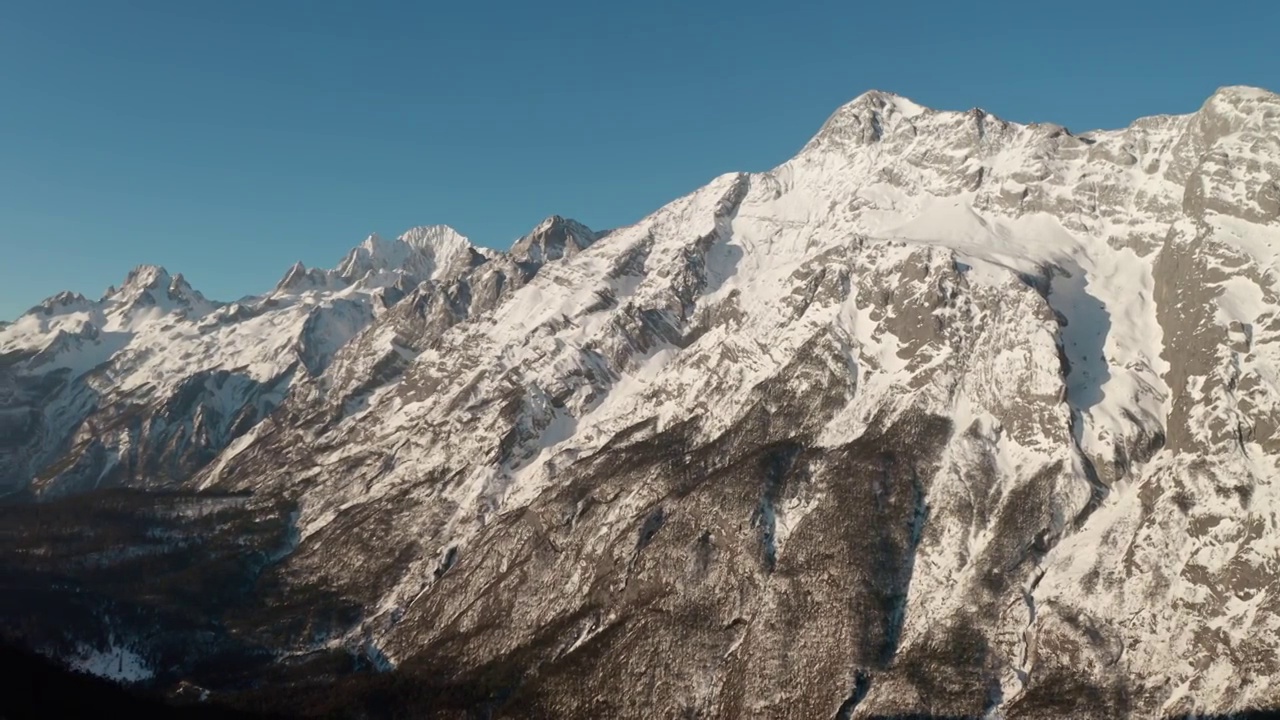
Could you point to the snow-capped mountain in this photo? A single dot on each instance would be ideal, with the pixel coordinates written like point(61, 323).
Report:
point(946, 415)
point(146, 385)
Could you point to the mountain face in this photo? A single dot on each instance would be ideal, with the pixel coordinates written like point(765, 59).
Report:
point(945, 416)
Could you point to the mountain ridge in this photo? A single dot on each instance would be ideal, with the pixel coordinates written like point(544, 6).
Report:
point(965, 415)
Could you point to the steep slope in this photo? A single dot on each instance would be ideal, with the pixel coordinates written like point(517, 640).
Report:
point(947, 415)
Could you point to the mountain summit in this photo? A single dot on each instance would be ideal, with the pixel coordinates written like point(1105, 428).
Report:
point(946, 416)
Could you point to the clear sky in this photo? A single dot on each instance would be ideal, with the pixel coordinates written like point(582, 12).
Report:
point(226, 140)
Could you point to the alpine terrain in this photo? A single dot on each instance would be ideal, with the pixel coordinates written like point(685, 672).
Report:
point(946, 416)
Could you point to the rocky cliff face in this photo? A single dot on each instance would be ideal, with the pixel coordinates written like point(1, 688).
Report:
point(947, 415)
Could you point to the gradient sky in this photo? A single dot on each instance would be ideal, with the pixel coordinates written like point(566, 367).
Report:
point(226, 140)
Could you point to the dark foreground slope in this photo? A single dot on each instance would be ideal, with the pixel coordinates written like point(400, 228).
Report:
point(34, 686)
point(37, 688)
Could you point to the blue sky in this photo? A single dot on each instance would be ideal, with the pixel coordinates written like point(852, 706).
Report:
point(226, 140)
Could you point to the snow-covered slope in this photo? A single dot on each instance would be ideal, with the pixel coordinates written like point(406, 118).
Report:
point(945, 415)
point(146, 385)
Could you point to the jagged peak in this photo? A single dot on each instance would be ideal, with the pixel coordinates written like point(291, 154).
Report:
point(435, 238)
point(65, 300)
point(866, 119)
point(559, 221)
point(296, 272)
point(300, 277)
point(431, 239)
point(179, 283)
point(421, 252)
point(554, 238)
point(66, 297)
point(372, 241)
point(146, 276)
point(140, 279)
point(547, 224)
point(888, 101)
point(373, 250)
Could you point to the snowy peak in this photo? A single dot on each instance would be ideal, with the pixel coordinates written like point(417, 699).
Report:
point(300, 278)
point(151, 286)
point(878, 118)
point(554, 238)
point(423, 253)
point(888, 103)
point(179, 286)
point(142, 277)
point(450, 251)
point(1242, 100)
point(1229, 156)
point(63, 302)
point(1232, 110)
point(436, 239)
point(372, 243)
point(866, 119)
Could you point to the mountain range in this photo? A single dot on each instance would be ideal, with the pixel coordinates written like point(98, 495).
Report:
point(946, 416)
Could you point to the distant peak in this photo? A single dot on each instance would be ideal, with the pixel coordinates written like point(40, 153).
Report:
point(150, 286)
point(884, 100)
point(559, 223)
point(549, 223)
point(66, 297)
point(434, 237)
point(554, 238)
point(1235, 108)
point(142, 277)
point(1239, 100)
point(147, 274)
point(867, 118)
point(300, 278)
point(65, 300)
point(1244, 92)
point(420, 252)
